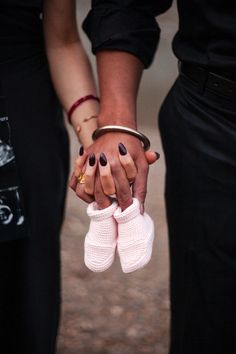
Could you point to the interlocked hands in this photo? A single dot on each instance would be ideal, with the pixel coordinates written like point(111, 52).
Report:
point(114, 164)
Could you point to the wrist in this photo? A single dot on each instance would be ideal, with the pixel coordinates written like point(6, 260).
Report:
point(85, 105)
point(88, 109)
point(122, 129)
point(123, 118)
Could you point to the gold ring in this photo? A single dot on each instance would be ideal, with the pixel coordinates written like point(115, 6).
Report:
point(81, 178)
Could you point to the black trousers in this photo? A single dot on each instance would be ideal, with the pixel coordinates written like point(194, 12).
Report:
point(198, 132)
point(30, 268)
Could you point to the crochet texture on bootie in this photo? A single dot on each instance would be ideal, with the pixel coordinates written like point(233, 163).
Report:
point(135, 237)
point(101, 239)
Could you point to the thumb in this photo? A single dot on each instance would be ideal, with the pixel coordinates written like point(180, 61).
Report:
point(151, 157)
point(140, 187)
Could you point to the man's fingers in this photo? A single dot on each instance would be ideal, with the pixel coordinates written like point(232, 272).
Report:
point(152, 156)
point(140, 185)
point(90, 174)
point(102, 200)
point(127, 163)
point(106, 178)
point(123, 191)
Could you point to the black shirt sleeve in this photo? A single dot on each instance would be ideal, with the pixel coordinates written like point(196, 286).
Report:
point(127, 25)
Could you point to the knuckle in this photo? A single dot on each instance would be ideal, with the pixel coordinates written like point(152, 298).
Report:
point(104, 204)
point(143, 169)
point(99, 196)
point(77, 172)
point(105, 174)
point(88, 190)
point(100, 201)
point(72, 184)
point(132, 176)
point(124, 197)
point(126, 204)
point(88, 174)
point(109, 191)
point(106, 179)
point(72, 187)
point(142, 194)
point(115, 167)
point(80, 193)
point(126, 163)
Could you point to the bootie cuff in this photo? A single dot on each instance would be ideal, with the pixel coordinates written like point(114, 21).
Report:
point(101, 214)
point(128, 214)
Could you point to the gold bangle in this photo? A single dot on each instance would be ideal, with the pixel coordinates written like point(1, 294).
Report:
point(119, 128)
point(78, 127)
point(88, 118)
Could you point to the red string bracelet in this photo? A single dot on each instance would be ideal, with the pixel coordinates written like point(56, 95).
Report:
point(78, 103)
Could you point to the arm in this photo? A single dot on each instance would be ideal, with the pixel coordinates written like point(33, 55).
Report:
point(72, 74)
point(119, 78)
point(70, 68)
point(124, 36)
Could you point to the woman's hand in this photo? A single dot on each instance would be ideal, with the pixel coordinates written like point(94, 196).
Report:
point(105, 185)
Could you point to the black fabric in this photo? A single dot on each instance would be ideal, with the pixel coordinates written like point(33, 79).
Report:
point(206, 35)
point(116, 27)
point(13, 224)
point(21, 35)
point(205, 78)
point(198, 132)
point(16, 4)
point(30, 268)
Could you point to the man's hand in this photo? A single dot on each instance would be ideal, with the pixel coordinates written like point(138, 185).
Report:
point(108, 144)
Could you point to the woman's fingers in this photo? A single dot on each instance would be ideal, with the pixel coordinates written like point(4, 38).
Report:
point(80, 192)
point(73, 182)
point(89, 175)
point(106, 178)
point(80, 161)
point(127, 163)
point(81, 182)
point(114, 180)
point(78, 180)
point(110, 179)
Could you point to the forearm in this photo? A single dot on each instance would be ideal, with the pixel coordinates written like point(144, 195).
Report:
point(72, 78)
point(119, 78)
point(70, 68)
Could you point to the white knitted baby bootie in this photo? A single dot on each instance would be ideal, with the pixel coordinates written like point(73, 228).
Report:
point(135, 237)
point(100, 241)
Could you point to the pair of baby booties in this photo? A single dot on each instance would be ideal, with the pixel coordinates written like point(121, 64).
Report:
point(131, 232)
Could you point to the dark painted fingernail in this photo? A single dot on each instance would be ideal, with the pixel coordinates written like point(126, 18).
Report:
point(122, 149)
point(103, 159)
point(92, 160)
point(157, 155)
point(81, 150)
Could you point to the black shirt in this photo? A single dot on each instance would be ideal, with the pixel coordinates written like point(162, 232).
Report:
point(14, 4)
point(206, 34)
point(21, 33)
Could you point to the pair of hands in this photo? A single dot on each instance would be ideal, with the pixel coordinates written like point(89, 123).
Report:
point(114, 164)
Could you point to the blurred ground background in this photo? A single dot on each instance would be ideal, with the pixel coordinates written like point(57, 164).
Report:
point(114, 313)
